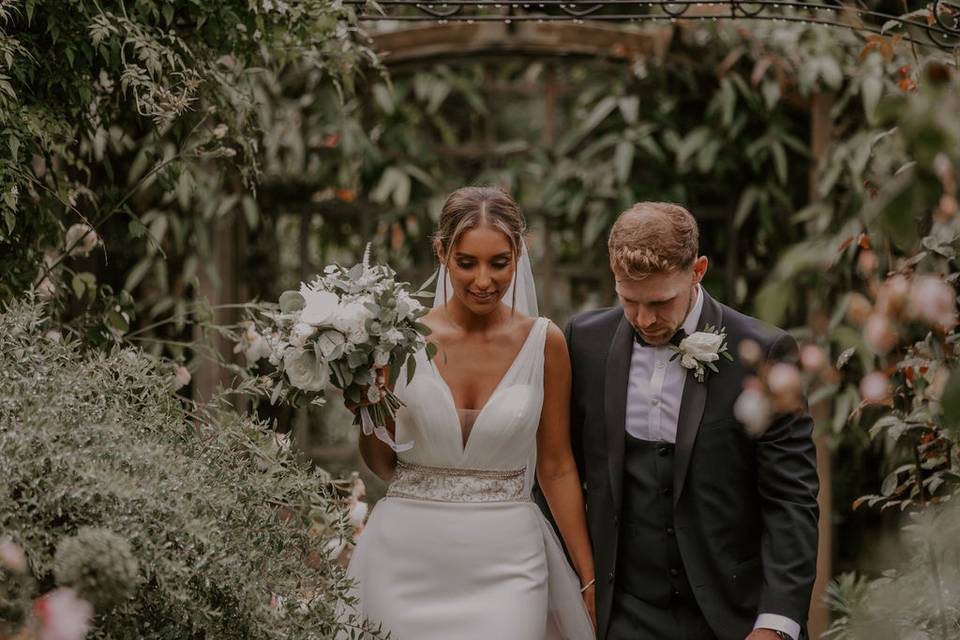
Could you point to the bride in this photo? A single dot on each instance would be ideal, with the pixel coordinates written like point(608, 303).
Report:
point(457, 550)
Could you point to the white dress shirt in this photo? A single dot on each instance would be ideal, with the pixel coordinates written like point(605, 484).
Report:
point(654, 391)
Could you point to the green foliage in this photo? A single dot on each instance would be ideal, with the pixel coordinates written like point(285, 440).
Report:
point(141, 120)
point(918, 598)
point(217, 515)
point(98, 564)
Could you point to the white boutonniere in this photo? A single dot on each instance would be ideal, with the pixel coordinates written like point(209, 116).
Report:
point(701, 350)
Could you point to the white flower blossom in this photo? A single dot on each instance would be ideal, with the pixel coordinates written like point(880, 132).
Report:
point(320, 307)
point(687, 361)
point(304, 370)
point(393, 336)
point(300, 333)
point(351, 321)
point(702, 345)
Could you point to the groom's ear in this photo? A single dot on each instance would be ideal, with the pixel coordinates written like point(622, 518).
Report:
point(700, 268)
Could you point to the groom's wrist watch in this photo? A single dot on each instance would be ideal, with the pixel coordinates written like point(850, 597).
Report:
point(782, 635)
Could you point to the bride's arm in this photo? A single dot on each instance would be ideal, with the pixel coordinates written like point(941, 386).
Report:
point(556, 467)
point(379, 457)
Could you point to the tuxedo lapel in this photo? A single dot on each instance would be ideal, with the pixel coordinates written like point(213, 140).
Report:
point(693, 401)
point(615, 403)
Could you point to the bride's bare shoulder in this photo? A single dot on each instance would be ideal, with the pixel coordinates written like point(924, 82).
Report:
point(437, 323)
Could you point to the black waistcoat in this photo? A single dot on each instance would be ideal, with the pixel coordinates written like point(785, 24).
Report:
point(650, 566)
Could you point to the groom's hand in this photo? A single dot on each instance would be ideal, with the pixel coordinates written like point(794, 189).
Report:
point(763, 634)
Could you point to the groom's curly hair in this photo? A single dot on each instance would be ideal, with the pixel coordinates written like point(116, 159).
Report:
point(653, 237)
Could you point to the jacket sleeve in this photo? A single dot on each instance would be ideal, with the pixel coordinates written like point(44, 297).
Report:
point(788, 485)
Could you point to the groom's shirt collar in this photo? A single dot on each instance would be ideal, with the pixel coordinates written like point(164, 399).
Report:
point(693, 317)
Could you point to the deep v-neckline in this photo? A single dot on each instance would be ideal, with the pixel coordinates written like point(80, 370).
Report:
point(476, 421)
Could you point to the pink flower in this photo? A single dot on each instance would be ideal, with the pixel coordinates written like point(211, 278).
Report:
point(46, 289)
point(812, 358)
point(784, 379)
point(62, 615)
point(933, 301)
point(879, 334)
point(754, 411)
point(181, 376)
point(874, 388)
point(750, 352)
point(892, 295)
point(858, 309)
point(867, 263)
point(81, 239)
point(12, 557)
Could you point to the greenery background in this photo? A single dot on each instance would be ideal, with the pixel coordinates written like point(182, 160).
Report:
point(224, 151)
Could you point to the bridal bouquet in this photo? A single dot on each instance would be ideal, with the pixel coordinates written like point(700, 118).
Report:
point(342, 328)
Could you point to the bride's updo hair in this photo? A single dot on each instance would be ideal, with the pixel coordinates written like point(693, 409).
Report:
point(471, 207)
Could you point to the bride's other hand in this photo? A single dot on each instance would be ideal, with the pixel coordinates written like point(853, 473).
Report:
point(590, 601)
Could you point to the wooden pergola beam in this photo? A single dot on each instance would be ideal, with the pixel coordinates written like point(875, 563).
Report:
point(445, 43)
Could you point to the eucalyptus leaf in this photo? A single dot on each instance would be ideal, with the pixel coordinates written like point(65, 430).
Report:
point(844, 357)
point(291, 302)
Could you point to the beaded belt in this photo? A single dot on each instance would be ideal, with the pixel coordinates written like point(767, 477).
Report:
point(446, 484)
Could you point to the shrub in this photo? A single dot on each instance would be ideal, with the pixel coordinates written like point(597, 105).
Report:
point(220, 517)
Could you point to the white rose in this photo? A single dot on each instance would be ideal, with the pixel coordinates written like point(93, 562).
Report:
point(318, 306)
point(304, 370)
point(688, 361)
point(702, 345)
point(351, 321)
point(393, 336)
point(300, 333)
point(329, 342)
point(408, 304)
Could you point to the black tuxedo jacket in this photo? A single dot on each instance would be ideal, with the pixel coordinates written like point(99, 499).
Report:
point(745, 509)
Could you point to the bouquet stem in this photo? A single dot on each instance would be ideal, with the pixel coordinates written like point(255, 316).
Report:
point(373, 419)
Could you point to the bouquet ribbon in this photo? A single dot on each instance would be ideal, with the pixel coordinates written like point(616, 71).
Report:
point(369, 427)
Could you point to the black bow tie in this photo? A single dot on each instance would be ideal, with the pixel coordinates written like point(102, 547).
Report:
point(675, 340)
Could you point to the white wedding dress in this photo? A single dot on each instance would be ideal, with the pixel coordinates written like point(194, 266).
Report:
point(457, 550)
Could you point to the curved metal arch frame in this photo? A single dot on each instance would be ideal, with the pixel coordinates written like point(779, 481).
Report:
point(936, 24)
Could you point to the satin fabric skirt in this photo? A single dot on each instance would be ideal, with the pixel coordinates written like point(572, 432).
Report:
point(466, 571)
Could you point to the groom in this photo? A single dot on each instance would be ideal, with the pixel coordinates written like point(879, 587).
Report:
point(699, 531)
